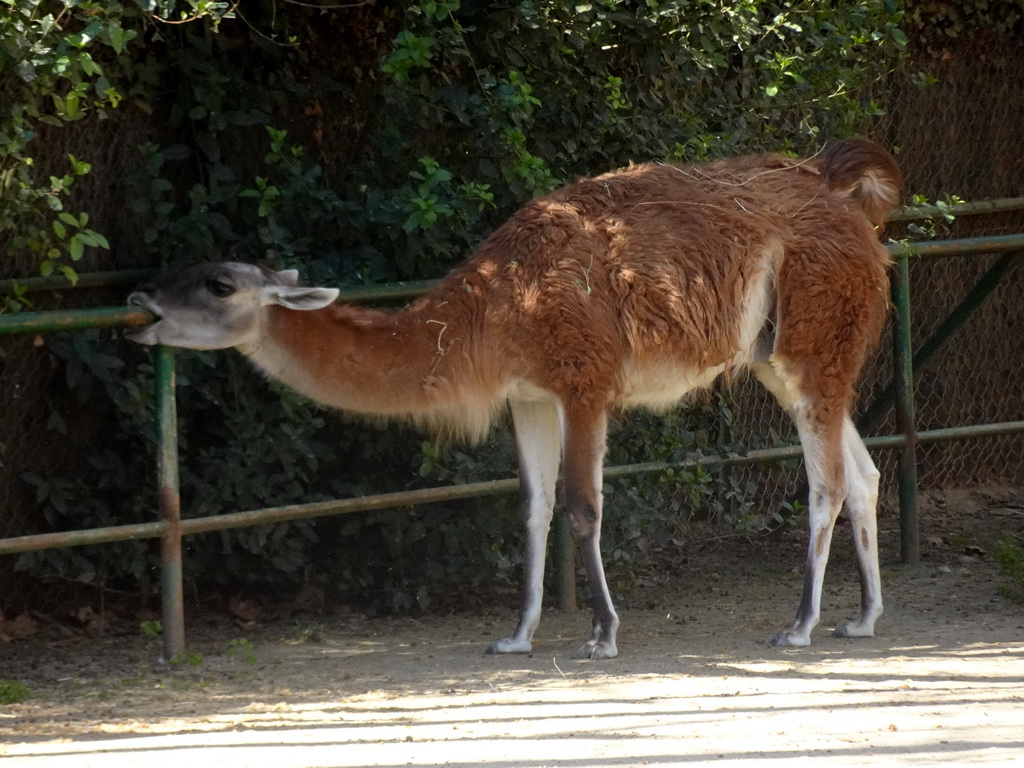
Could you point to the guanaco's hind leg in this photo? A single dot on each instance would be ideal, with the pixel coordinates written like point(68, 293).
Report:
point(538, 433)
point(861, 503)
point(823, 458)
point(838, 469)
point(582, 462)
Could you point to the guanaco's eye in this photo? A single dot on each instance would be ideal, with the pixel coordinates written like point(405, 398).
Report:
point(219, 288)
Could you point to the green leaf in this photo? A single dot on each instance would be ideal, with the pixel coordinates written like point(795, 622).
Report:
point(86, 36)
point(116, 32)
point(78, 166)
point(93, 238)
point(76, 247)
point(71, 103)
point(69, 273)
point(59, 230)
point(70, 219)
point(90, 67)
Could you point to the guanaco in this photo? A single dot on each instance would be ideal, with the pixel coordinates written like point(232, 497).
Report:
point(632, 288)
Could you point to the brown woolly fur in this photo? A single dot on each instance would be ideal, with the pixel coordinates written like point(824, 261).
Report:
point(649, 266)
point(629, 289)
point(603, 291)
point(865, 171)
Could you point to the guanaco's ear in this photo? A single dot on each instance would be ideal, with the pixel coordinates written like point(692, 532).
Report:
point(289, 276)
point(299, 298)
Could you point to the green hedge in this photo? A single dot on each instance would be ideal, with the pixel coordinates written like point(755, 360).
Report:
point(389, 140)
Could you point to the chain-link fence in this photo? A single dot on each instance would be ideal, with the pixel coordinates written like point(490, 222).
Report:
point(962, 136)
point(955, 122)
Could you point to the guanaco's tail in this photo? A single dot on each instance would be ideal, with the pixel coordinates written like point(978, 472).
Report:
point(865, 172)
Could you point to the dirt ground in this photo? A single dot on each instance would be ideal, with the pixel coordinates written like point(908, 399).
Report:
point(941, 683)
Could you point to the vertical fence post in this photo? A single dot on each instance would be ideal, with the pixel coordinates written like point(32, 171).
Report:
point(171, 592)
point(564, 563)
point(903, 376)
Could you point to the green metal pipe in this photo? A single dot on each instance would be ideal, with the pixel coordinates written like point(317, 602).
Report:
point(169, 503)
point(962, 247)
point(903, 379)
point(758, 455)
point(347, 506)
point(510, 485)
point(947, 434)
point(74, 319)
point(64, 539)
point(892, 442)
point(471, 490)
point(998, 205)
point(111, 279)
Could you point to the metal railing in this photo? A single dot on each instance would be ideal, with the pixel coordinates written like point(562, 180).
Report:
point(170, 527)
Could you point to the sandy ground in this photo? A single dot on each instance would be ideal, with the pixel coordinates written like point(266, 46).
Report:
point(695, 682)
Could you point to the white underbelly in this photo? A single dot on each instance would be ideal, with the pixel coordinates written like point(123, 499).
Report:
point(656, 387)
point(530, 393)
point(662, 386)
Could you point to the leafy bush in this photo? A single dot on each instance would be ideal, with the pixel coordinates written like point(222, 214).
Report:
point(59, 65)
point(454, 116)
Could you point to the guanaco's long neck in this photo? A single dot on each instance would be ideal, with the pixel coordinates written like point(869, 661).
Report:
point(367, 361)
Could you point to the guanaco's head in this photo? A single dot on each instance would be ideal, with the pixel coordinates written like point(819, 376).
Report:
point(216, 306)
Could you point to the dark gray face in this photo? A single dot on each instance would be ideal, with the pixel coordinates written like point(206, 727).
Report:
point(216, 306)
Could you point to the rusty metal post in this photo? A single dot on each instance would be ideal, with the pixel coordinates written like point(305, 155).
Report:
point(906, 420)
point(564, 562)
point(171, 590)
